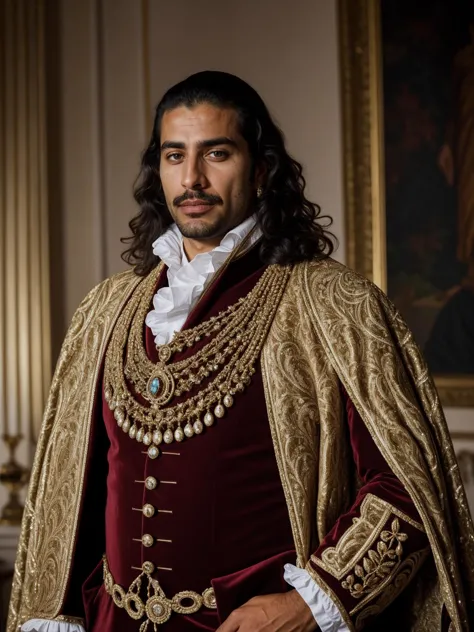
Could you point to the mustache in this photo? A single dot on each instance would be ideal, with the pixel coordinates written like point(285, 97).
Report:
point(197, 195)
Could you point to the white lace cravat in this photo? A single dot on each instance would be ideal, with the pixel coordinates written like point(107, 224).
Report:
point(187, 279)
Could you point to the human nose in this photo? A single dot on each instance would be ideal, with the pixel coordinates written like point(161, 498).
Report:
point(193, 174)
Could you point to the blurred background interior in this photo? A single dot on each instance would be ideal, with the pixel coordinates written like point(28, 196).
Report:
point(79, 80)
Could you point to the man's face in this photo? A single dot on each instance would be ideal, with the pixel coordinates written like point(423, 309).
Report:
point(205, 170)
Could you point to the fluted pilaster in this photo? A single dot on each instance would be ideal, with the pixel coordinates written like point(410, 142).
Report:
point(25, 354)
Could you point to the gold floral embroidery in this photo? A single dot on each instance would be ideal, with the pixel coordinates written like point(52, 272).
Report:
point(400, 579)
point(340, 559)
point(378, 564)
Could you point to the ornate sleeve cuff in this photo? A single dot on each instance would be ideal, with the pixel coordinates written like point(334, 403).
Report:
point(64, 624)
point(325, 612)
point(369, 565)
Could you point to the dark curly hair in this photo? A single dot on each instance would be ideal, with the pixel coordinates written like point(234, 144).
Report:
point(286, 217)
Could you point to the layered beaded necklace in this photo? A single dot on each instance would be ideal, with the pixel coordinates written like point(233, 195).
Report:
point(236, 334)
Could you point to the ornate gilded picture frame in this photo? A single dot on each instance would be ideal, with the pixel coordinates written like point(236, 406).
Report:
point(463, 443)
point(409, 170)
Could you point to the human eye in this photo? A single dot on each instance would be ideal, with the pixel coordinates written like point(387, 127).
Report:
point(218, 154)
point(174, 157)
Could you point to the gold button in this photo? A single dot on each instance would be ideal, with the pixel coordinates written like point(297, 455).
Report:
point(147, 540)
point(148, 510)
point(148, 567)
point(153, 452)
point(151, 482)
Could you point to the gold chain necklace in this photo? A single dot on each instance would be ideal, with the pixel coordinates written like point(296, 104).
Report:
point(231, 325)
point(239, 335)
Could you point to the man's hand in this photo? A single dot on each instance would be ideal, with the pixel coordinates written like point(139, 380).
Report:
point(283, 612)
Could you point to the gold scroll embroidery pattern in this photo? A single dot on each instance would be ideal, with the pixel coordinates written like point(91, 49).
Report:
point(53, 504)
point(302, 417)
point(383, 370)
point(378, 564)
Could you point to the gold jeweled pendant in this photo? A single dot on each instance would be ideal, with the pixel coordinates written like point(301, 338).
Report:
point(160, 387)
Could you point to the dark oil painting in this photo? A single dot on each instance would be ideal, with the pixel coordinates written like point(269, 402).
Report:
point(428, 103)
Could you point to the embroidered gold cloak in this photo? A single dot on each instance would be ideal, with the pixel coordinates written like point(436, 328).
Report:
point(331, 325)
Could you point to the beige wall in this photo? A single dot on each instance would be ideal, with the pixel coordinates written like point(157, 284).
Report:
point(117, 58)
point(102, 132)
point(113, 60)
point(287, 50)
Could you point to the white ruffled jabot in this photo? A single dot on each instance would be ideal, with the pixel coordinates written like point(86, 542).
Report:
point(187, 279)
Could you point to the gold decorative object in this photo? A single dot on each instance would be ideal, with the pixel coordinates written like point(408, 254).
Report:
point(236, 336)
point(14, 477)
point(364, 159)
point(157, 608)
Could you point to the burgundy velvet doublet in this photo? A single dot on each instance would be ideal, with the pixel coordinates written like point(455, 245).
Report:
point(220, 507)
point(219, 498)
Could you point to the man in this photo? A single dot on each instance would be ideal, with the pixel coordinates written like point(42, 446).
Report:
point(241, 434)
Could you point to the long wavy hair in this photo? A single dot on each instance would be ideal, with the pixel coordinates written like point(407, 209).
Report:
point(288, 220)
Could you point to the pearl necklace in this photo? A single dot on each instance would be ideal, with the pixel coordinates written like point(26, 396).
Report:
point(236, 335)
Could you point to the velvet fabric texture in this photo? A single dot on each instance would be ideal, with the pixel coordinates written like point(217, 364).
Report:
point(229, 524)
point(375, 478)
point(226, 515)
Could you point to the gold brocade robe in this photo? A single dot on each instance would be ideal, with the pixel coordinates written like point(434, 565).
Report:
point(331, 325)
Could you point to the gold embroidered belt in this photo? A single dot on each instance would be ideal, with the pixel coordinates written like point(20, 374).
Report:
point(157, 608)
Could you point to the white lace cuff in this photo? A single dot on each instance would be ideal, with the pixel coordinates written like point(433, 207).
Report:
point(46, 625)
point(324, 610)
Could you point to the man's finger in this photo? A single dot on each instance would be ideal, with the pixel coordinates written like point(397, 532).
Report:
point(231, 624)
